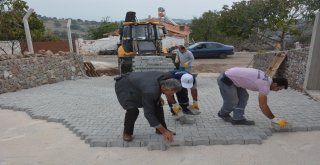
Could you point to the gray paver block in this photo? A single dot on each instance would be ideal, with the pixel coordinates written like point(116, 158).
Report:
point(315, 127)
point(251, 139)
point(299, 128)
point(53, 120)
point(268, 132)
point(194, 111)
point(157, 146)
point(132, 144)
point(188, 141)
point(200, 141)
point(186, 120)
point(235, 140)
point(115, 143)
point(218, 140)
point(98, 143)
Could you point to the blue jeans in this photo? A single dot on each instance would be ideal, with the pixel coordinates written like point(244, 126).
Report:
point(235, 99)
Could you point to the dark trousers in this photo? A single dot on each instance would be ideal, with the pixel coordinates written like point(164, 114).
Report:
point(183, 99)
point(132, 115)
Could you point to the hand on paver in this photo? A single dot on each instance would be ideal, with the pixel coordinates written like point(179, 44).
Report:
point(281, 122)
point(186, 64)
point(176, 108)
point(168, 136)
point(195, 105)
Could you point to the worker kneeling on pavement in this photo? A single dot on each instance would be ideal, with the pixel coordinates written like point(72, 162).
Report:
point(143, 90)
point(233, 84)
point(188, 81)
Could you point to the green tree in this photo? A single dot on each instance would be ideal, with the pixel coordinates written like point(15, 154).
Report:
point(12, 29)
point(204, 27)
point(105, 27)
point(271, 20)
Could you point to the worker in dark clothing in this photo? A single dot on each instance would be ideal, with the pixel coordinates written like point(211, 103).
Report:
point(188, 81)
point(143, 89)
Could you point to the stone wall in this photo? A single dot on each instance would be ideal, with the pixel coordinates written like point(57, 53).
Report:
point(293, 67)
point(27, 71)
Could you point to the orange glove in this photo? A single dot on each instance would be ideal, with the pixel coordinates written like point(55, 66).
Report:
point(176, 108)
point(176, 60)
point(281, 122)
point(195, 105)
point(186, 64)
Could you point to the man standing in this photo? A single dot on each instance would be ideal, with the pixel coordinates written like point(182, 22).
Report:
point(233, 84)
point(143, 89)
point(185, 58)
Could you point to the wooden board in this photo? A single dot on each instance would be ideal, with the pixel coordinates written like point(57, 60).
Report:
point(90, 70)
point(276, 62)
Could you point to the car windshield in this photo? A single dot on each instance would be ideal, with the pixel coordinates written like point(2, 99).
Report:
point(193, 46)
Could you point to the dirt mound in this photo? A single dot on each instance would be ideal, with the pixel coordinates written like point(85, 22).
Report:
point(108, 72)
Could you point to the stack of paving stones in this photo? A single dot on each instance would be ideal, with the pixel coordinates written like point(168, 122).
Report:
point(152, 63)
point(89, 108)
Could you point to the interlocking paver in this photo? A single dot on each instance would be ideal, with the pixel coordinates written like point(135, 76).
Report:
point(89, 108)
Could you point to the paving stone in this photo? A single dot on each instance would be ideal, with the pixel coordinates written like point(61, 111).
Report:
point(200, 141)
point(89, 108)
point(218, 140)
point(157, 146)
point(98, 143)
point(133, 143)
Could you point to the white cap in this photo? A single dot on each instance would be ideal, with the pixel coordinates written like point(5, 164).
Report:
point(187, 80)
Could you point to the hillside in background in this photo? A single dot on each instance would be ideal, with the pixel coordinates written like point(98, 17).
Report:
point(58, 27)
point(79, 28)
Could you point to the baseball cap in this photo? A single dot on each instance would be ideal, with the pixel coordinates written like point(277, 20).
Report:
point(187, 80)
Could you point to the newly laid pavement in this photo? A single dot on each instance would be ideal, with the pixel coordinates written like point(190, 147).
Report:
point(89, 108)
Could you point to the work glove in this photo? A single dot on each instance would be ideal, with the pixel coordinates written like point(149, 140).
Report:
point(195, 105)
point(281, 122)
point(176, 108)
point(186, 64)
point(176, 60)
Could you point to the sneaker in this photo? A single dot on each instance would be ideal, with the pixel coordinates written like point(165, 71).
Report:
point(127, 137)
point(159, 133)
point(242, 122)
point(226, 118)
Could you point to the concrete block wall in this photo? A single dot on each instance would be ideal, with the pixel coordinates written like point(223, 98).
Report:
point(293, 67)
point(26, 71)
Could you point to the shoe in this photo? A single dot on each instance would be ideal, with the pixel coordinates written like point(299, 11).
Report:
point(242, 122)
point(127, 137)
point(159, 133)
point(226, 118)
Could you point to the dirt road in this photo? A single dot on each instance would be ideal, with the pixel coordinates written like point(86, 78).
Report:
point(211, 65)
point(216, 65)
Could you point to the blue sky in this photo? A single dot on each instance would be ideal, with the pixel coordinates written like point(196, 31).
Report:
point(116, 9)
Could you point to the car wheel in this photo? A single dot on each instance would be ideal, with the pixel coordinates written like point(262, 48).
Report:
point(222, 56)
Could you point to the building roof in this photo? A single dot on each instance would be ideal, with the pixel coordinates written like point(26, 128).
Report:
point(173, 30)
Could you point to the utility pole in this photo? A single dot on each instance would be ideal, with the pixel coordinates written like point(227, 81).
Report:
point(27, 30)
point(69, 36)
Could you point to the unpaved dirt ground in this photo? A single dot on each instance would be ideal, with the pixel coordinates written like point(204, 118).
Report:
point(216, 65)
point(211, 65)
